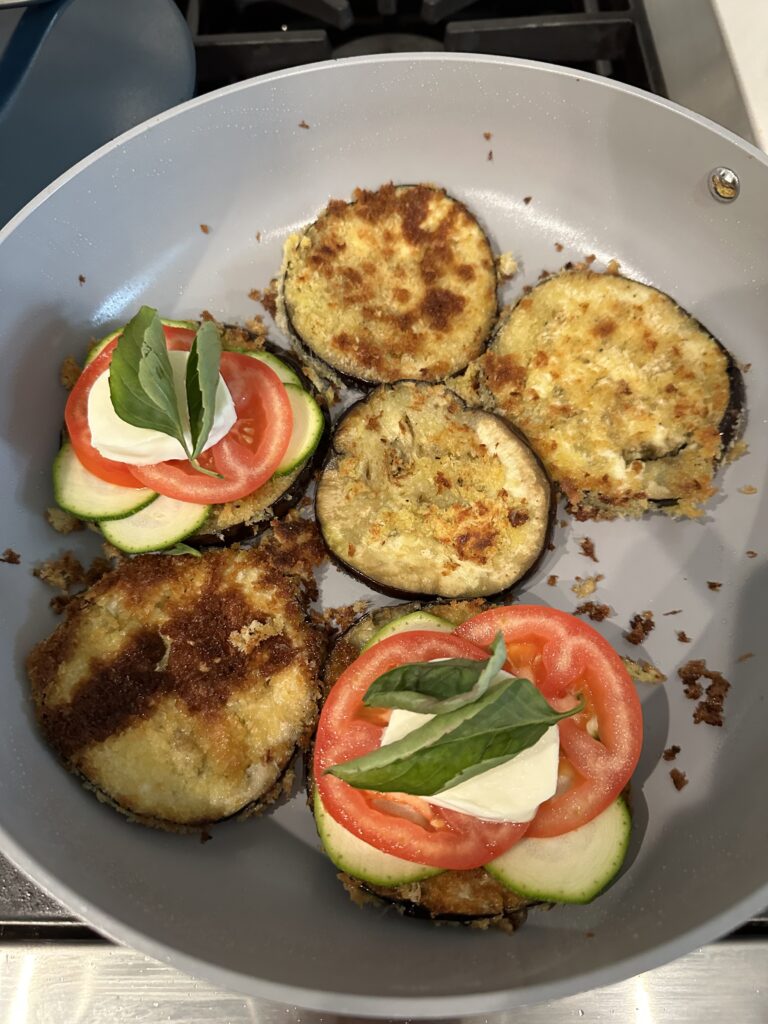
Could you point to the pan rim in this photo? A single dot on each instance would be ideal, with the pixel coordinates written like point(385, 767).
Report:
point(423, 1006)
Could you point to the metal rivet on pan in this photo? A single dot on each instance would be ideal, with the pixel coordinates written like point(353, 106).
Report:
point(724, 184)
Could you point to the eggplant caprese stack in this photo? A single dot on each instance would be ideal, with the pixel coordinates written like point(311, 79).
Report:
point(185, 431)
point(470, 761)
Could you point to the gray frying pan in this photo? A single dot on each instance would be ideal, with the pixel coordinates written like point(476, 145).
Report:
point(610, 171)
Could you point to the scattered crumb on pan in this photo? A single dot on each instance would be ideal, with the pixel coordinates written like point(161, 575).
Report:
point(81, 279)
point(736, 451)
point(643, 671)
point(640, 625)
point(303, 124)
point(745, 657)
point(10, 557)
point(709, 708)
point(714, 585)
point(675, 611)
point(552, 581)
point(269, 298)
point(487, 136)
point(527, 199)
point(490, 155)
point(596, 612)
point(69, 371)
point(205, 228)
point(506, 266)
point(748, 489)
point(587, 546)
point(255, 294)
point(63, 522)
point(671, 752)
point(258, 236)
point(62, 573)
point(586, 587)
point(683, 637)
point(341, 618)
point(751, 554)
point(679, 778)
point(559, 247)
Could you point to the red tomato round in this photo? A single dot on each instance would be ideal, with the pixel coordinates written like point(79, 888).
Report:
point(406, 826)
point(249, 454)
point(76, 420)
point(566, 658)
point(76, 412)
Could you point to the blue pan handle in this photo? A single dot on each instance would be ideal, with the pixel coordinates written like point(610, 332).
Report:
point(25, 42)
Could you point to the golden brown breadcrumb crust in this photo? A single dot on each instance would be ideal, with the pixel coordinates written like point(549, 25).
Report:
point(180, 688)
point(630, 403)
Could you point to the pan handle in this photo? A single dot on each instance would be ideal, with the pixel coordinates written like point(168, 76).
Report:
point(23, 46)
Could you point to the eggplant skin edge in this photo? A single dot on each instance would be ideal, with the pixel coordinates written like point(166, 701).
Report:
point(409, 595)
point(330, 373)
point(730, 428)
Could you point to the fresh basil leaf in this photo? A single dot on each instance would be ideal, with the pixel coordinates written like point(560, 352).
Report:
point(141, 380)
point(436, 687)
point(456, 746)
point(181, 549)
point(202, 383)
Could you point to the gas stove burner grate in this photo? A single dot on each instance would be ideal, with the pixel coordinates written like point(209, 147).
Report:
point(237, 39)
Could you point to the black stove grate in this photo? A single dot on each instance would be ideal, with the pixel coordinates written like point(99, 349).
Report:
point(237, 39)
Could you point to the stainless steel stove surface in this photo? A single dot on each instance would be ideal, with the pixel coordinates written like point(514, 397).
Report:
point(53, 968)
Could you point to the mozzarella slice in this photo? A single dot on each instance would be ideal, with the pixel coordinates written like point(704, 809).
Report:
point(139, 446)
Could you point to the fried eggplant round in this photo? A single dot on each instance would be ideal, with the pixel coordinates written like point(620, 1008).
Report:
point(630, 403)
point(463, 897)
point(400, 283)
point(422, 496)
point(179, 689)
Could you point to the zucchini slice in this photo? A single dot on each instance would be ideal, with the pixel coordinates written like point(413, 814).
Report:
point(572, 868)
point(88, 497)
point(308, 427)
point(353, 855)
point(630, 403)
point(400, 283)
point(408, 623)
point(422, 496)
point(281, 368)
point(158, 526)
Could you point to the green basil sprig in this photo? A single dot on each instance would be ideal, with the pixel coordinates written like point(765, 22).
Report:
point(436, 687)
point(508, 717)
point(141, 382)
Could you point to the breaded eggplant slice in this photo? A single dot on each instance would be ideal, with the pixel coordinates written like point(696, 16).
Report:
point(179, 689)
point(422, 496)
point(466, 897)
point(400, 283)
point(629, 401)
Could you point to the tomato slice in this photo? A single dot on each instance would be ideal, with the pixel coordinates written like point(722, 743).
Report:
point(249, 454)
point(76, 412)
point(407, 826)
point(565, 658)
